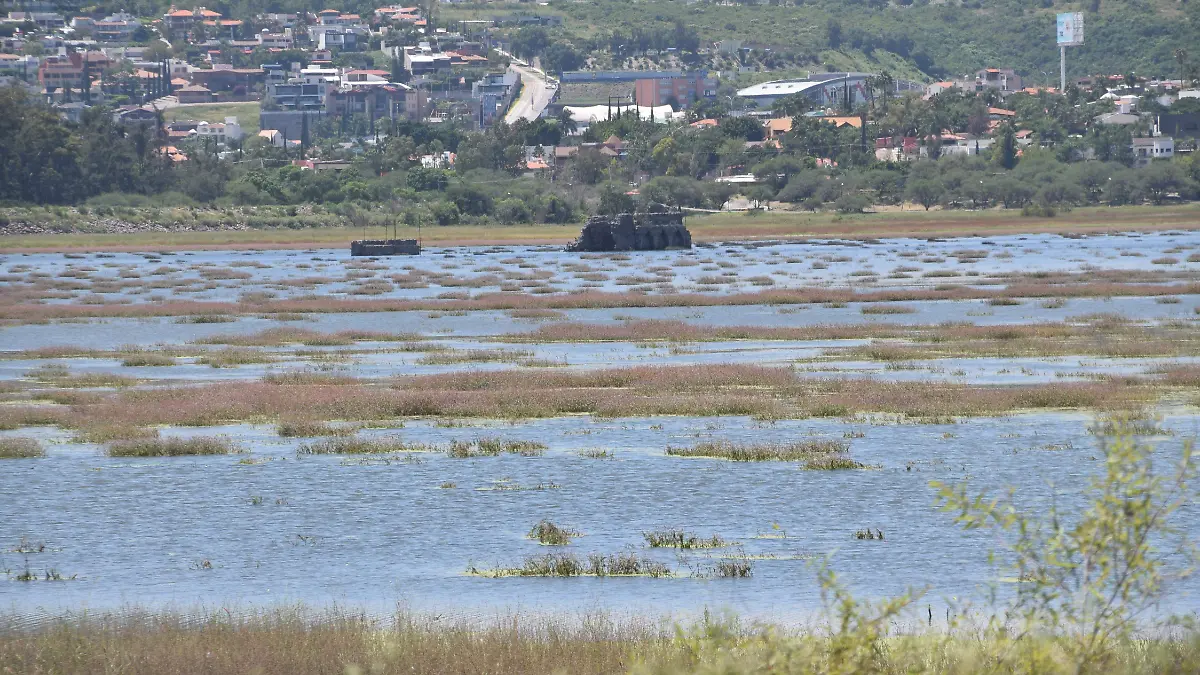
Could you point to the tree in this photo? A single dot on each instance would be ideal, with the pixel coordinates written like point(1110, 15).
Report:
point(589, 165)
point(1186, 106)
point(742, 128)
point(566, 122)
point(1005, 151)
point(833, 32)
point(925, 191)
point(792, 105)
point(1161, 179)
point(613, 200)
point(529, 41)
point(560, 57)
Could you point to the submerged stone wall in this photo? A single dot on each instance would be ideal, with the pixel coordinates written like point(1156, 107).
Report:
point(633, 232)
point(385, 247)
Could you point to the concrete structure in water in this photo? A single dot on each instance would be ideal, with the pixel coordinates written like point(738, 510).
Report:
point(633, 232)
point(381, 247)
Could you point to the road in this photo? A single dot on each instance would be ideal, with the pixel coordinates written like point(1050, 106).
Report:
point(535, 95)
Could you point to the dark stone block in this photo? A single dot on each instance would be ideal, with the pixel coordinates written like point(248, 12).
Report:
point(633, 232)
point(374, 247)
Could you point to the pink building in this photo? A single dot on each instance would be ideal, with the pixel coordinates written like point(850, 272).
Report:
point(685, 89)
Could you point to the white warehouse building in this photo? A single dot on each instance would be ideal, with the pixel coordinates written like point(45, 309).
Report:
point(824, 89)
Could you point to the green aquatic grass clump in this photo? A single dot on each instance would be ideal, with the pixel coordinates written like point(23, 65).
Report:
point(733, 569)
point(174, 447)
point(549, 534)
point(305, 428)
point(20, 447)
point(763, 452)
point(627, 564)
point(59, 375)
point(492, 447)
point(362, 446)
point(233, 357)
point(206, 318)
point(835, 463)
point(107, 433)
point(882, 308)
point(145, 359)
point(682, 540)
point(453, 356)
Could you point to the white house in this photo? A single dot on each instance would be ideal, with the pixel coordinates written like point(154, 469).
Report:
point(220, 133)
point(273, 137)
point(284, 40)
point(1146, 150)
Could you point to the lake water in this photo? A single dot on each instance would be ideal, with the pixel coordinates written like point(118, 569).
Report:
point(273, 527)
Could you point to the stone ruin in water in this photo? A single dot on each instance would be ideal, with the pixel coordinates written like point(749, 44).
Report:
point(633, 232)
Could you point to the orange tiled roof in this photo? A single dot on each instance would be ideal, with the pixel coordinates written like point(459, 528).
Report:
point(779, 125)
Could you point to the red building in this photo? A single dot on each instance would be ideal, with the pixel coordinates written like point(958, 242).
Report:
point(655, 92)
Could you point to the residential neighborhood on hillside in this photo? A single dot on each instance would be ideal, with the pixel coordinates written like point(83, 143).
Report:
point(333, 85)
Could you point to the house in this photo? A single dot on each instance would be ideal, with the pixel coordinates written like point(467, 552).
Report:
point(939, 87)
point(1001, 115)
point(388, 101)
point(72, 112)
point(184, 19)
point(311, 88)
point(683, 90)
point(135, 116)
point(565, 153)
point(223, 77)
point(194, 94)
point(1004, 80)
point(777, 127)
point(840, 121)
point(220, 133)
point(269, 40)
point(898, 149)
point(1116, 118)
point(17, 65)
point(338, 38)
point(421, 59)
point(225, 29)
point(171, 152)
point(273, 137)
point(60, 72)
point(44, 20)
point(1146, 150)
point(118, 27)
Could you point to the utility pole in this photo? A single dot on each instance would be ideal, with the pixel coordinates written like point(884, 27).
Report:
point(1062, 69)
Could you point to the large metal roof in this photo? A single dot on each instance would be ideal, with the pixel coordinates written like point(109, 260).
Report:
point(778, 88)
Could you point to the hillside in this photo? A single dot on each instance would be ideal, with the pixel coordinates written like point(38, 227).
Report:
point(937, 38)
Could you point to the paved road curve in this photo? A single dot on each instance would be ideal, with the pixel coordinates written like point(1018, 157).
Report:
point(535, 94)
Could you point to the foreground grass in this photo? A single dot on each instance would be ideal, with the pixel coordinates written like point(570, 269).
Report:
point(295, 642)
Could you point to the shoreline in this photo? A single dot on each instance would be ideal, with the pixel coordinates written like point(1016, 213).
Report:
point(784, 226)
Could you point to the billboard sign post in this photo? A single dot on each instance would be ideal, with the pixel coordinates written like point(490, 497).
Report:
point(1070, 34)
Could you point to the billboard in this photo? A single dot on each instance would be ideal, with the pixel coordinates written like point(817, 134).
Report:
point(1070, 29)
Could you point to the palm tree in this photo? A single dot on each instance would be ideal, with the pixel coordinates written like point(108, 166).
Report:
point(566, 122)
